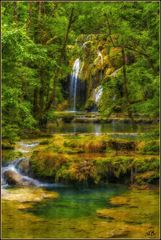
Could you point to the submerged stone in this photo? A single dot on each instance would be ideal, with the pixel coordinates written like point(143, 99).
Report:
point(120, 200)
point(27, 195)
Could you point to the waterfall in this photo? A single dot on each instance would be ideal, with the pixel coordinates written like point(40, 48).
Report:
point(14, 170)
point(73, 84)
point(13, 167)
point(98, 93)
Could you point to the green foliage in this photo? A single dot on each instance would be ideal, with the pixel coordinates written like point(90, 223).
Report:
point(41, 40)
point(134, 33)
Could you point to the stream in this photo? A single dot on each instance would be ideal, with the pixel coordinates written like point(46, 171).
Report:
point(75, 212)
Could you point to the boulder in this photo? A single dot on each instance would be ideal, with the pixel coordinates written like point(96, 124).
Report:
point(24, 166)
point(13, 177)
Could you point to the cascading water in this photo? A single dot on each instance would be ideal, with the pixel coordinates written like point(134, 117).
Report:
point(13, 168)
point(14, 171)
point(98, 93)
point(73, 84)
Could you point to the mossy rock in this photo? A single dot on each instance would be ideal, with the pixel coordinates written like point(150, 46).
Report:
point(9, 155)
point(133, 207)
point(6, 145)
point(45, 164)
point(68, 119)
point(28, 195)
point(122, 145)
point(44, 142)
point(108, 72)
point(115, 57)
point(147, 177)
point(113, 160)
point(90, 105)
point(62, 106)
point(149, 147)
point(121, 200)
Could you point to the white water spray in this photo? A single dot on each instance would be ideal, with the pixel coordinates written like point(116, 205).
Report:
point(98, 93)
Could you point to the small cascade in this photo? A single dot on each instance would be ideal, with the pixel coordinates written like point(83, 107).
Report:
point(13, 170)
point(98, 93)
point(73, 84)
point(12, 174)
point(98, 129)
point(26, 147)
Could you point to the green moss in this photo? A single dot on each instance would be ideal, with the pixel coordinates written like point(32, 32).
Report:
point(7, 145)
point(134, 207)
point(9, 155)
point(147, 177)
point(149, 147)
point(75, 168)
point(46, 164)
point(88, 159)
point(116, 57)
point(44, 142)
point(121, 145)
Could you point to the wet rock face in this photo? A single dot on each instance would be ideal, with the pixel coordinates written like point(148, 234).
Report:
point(16, 179)
point(24, 166)
point(13, 178)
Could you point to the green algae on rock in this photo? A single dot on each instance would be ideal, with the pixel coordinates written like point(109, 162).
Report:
point(28, 194)
point(137, 208)
point(110, 160)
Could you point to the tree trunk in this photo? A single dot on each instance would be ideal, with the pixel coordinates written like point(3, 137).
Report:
point(30, 10)
point(52, 98)
point(67, 34)
point(41, 93)
point(15, 11)
point(39, 10)
point(29, 16)
point(109, 29)
point(36, 107)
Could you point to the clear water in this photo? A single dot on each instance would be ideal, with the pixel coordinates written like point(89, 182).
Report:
point(74, 215)
point(76, 203)
point(99, 128)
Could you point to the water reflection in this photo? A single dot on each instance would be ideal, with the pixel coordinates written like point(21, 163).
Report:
point(98, 128)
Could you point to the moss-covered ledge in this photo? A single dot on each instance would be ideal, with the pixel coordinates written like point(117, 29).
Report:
point(83, 159)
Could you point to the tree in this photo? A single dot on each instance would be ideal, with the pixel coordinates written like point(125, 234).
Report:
point(40, 41)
